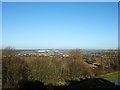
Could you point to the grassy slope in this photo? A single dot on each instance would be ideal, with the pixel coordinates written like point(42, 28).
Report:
point(112, 77)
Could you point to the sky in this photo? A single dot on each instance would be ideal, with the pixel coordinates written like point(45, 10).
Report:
point(63, 25)
point(60, 0)
point(0, 25)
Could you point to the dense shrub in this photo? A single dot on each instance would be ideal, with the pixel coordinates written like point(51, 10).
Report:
point(56, 70)
point(76, 54)
point(13, 69)
point(53, 70)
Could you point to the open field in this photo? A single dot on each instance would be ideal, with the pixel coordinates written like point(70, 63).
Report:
point(112, 77)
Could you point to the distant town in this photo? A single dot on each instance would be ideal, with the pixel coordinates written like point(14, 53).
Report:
point(88, 55)
point(63, 52)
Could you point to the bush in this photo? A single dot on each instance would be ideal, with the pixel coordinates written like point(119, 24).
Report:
point(76, 54)
point(13, 69)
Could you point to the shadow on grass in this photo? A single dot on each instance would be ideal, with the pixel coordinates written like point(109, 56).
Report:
point(71, 85)
point(92, 83)
point(31, 85)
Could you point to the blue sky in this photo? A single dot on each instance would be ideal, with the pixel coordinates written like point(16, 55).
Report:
point(0, 25)
point(60, 25)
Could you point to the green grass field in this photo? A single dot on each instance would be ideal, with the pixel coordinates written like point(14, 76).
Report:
point(112, 77)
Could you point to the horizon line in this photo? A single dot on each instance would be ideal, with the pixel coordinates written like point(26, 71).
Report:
point(62, 48)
